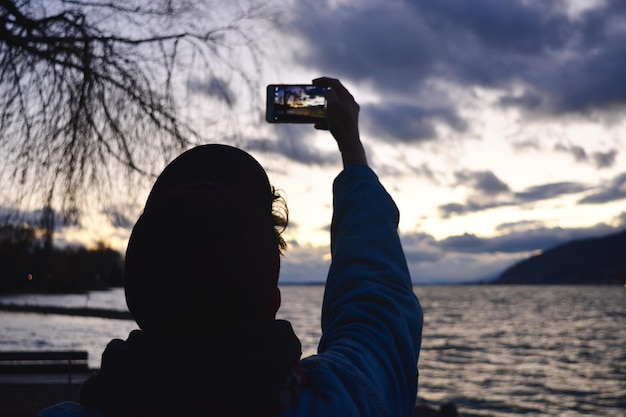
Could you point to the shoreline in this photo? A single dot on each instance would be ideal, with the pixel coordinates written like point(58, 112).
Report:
point(68, 311)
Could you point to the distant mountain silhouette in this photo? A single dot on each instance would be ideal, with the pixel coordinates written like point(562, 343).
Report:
point(588, 261)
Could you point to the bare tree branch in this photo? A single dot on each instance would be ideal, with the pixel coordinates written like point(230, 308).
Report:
point(90, 90)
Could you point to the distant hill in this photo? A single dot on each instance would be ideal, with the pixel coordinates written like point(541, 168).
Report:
point(588, 261)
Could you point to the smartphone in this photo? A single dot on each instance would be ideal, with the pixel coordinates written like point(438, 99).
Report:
point(295, 103)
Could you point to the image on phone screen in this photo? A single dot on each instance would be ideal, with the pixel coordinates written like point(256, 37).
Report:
point(295, 103)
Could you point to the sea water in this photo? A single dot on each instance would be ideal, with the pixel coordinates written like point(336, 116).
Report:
point(492, 350)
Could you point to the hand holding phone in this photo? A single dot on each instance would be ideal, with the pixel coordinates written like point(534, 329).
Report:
point(295, 103)
point(306, 103)
point(342, 121)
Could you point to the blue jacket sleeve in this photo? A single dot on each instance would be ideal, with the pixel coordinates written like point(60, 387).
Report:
point(371, 319)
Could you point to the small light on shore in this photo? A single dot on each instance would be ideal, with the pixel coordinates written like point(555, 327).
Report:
point(29, 277)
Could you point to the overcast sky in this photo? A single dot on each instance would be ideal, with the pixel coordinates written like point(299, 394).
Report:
point(497, 126)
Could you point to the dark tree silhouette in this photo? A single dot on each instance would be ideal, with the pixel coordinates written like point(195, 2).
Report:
point(91, 90)
point(27, 266)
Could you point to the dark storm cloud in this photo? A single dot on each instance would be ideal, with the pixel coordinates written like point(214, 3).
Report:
point(613, 191)
point(564, 64)
point(594, 81)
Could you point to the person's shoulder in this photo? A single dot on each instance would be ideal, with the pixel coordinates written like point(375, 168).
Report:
point(69, 409)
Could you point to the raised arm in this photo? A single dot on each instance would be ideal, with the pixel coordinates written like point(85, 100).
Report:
point(371, 319)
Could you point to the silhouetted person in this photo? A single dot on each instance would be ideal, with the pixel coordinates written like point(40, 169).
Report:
point(201, 277)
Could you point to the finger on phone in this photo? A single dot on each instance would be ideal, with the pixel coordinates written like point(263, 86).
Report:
point(335, 85)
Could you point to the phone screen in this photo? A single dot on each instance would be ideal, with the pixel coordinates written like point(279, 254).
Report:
point(300, 103)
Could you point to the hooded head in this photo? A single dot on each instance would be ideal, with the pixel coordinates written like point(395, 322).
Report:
point(205, 253)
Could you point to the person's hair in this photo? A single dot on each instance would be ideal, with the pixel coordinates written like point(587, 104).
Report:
point(280, 217)
point(200, 258)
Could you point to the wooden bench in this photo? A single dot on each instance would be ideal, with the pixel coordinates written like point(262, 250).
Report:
point(44, 362)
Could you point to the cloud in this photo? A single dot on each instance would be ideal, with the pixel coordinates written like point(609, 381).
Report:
point(461, 258)
point(565, 64)
point(484, 182)
point(215, 88)
point(468, 257)
point(295, 148)
point(486, 191)
point(305, 264)
point(549, 191)
point(604, 159)
point(451, 209)
point(455, 268)
point(35, 218)
point(522, 241)
point(490, 192)
point(539, 55)
point(421, 247)
point(578, 152)
point(527, 145)
point(621, 220)
point(406, 122)
point(598, 159)
point(118, 218)
point(613, 191)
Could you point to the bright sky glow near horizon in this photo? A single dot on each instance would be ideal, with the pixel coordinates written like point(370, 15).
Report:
point(498, 127)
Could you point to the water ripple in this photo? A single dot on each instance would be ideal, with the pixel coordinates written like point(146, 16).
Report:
point(494, 351)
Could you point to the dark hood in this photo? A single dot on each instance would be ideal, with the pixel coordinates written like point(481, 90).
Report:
point(236, 372)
